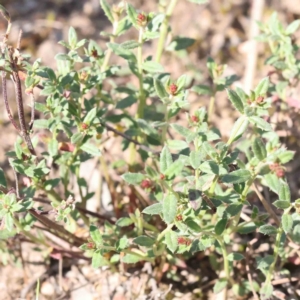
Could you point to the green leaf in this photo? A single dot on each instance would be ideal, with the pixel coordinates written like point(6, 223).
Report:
point(90, 149)
point(259, 149)
point(286, 156)
point(90, 116)
point(124, 53)
point(181, 81)
point(202, 89)
point(126, 102)
point(293, 27)
point(53, 147)
point(130, 44)
point(177, 144)
point(107, 10)
point(196, 158)
point(266, 291)
point(160, 89)
point(131, 259)
point(132, 14)
point(4, 13)
point(2, 178)
point(9, 222)
point(165, 159)
point(123, 26)
point(235, 256)
point(284, 192)
point(98, 260)
point(272, 182)
point(152, 67)
point(40, 124)
point(95, 234)
point(72, 38)
point(236, 100)
point(260, 123)
point(282, 204)
point(144, 241)
point(192, 225)
point(287, 223)
point(211, 167)
point(171, 240)
point(181, 129)
point(238, 129)
point(220, 226)
point(237, 176)
point(232, 210)
point(123, 222)
point(153, 209)
point(133, 178)
point(262, 87)
point(267, 229)
point(175, 168)
point(169, 208)
point(122, 243)
point(76, 138)
point(180, 43)
point(220, 285)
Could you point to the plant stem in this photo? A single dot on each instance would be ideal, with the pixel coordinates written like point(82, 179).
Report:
point(276, 253)
point(211, 108)
point(162, 234)
point(142, 99)
point(164, 30)
point(226, 262)
point(109, 51)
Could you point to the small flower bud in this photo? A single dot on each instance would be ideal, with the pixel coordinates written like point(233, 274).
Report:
point(162, 176)
point(181, 240)
point(90, 245)
point(22, 75)
point(280, 172)
point(83, 76)
point(194, 119)
point(29, 91)
point(173, 89)
point(94, 53)
point(84, 126)
point(179, 218)
point(67, 94)
point(146, 184)
point(260, 100)
point(141, 19)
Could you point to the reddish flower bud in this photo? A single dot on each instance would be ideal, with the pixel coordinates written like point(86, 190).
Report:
point(181, 240)
point(260, 100)
point(162, 176)
point(280, 172)
point(146, 184)
point(22, 75)
point(67, 94)
point(173, 89)
point(188, 242)
point(94, 53)
point(29, 91)
point(141, 19)
point(84, 126)
point(90, 245)
point(194, 119)
point(68, 147)
point(179, 218)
